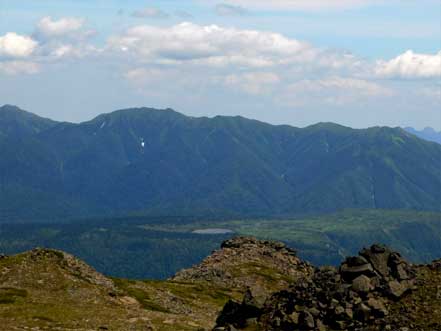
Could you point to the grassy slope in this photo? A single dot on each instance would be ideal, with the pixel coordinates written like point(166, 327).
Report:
point(42, 290)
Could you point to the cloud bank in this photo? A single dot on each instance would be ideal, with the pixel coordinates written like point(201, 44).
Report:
point(164, 62)
point(410, 65)
point(213, 45)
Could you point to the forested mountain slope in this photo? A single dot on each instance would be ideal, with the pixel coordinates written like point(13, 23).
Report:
point(147, 161)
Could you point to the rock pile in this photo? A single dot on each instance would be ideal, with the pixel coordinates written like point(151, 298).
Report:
point(247, 261)
point(353, 297)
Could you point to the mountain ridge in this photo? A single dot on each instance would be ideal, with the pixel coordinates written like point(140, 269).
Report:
point(147, 161)
point(170, 111)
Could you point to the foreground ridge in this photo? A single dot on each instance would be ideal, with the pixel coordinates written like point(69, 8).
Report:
point(371, 291)
point(248, 284)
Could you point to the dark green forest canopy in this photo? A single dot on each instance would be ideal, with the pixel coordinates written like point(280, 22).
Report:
point(142, 247)
point(160, 162)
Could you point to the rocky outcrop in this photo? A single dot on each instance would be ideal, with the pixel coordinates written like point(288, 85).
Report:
point(355, 296)
point(248, 262)
point(74, 266)
point(271, 289)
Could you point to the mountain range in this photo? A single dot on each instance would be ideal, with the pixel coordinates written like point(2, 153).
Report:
point(159, 162)
point(428, 133)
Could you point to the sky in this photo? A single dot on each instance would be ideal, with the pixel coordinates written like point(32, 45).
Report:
point(360, 63)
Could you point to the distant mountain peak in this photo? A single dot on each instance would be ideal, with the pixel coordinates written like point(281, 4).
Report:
point(138, 113)
point(327, 125)
point(428, 133)
point(11, 109)
point(429, 129)
point(6, 107)
point(18, 122)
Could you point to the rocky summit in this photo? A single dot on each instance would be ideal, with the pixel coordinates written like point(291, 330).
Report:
point(248, 262)
point(376, 290)
point(248, 284)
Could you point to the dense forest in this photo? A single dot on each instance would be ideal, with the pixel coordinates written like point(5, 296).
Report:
point(142, 247)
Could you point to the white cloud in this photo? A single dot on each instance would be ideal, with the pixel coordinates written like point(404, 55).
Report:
point(67, 37)
point(66, 50)
point(211, 45)
point(150, 12)
point(49, 28)
point(19, 67)
point(52, 41)
point(235, 60)
point(230, 10)
point(411, 65)
point(15, 45)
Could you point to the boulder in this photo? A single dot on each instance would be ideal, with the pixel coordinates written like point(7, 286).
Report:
point(231, 313)
point(240, 314)
point(378, 256)
point(362, 284)
point(397, 289)
point(378, 307)
point(351, 272)
point(356, 261)
point(254, 297)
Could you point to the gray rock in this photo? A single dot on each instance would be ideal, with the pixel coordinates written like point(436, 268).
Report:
point(397, 289)
point(400, 272)
point(352, 272)
point(378, 256)
point(356, 261)
point(377, 307)
point(254, 297)
point(362, 284)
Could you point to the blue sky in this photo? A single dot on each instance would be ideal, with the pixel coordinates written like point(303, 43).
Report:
point(356, 62)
